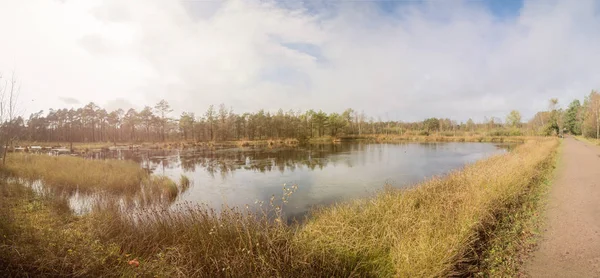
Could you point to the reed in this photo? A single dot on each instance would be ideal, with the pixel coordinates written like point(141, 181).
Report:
point(110, 179)
point(441, 227)
point(69, 174)
point(450, 138)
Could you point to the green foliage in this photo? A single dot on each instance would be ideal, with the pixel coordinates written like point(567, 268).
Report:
point(431, 124)
point(591, 115)
point(513, 119)
point(470, 125)
point(572, 118)
point(91, 124)
point(186, 125)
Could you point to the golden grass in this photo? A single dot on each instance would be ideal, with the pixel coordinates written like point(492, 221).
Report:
point(437, 228)
point(184, 183)
point(468, 138)
point(108, 178)
point(592, 141)
point(74, 173)
point(83, 147)
point(40, 238)
point(427, 230)
point(78, 145)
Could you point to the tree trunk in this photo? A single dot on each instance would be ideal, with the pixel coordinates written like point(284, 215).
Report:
point(4, 153)
point(597, 123)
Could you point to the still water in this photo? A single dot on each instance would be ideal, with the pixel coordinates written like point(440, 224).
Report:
point(323, 173)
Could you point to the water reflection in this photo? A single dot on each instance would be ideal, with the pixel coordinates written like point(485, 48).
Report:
point(324, 173)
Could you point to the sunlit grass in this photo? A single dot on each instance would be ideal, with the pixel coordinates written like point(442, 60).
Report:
point(111, 178)
point(427, 230)
point(459, 138)
point(433, 229)
point(184, 183)
point(592, 141)
point(74, 173)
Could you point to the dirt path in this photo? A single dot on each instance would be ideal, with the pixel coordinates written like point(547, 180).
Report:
point(571, 243)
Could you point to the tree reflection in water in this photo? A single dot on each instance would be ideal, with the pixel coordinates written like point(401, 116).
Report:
point(324, 173)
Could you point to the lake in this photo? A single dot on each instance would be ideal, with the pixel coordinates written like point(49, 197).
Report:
point(323, 173)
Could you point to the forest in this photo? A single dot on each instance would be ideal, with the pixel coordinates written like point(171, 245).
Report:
point(92, 123)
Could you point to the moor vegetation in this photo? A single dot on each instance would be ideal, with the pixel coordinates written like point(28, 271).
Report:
point(455, 225)
point(152, 124)
point(66, 175)
point(473, 222)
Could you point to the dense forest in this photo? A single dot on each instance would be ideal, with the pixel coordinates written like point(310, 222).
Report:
point(92, 123)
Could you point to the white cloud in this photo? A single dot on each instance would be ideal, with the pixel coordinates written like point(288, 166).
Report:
point(453, 59)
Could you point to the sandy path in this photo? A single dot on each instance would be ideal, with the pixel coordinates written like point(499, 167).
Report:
point(571, 243)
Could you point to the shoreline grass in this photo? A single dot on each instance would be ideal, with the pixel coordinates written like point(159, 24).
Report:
point(83, 147)
point(68, 173)
point(108, 180)
point(516, 234)
point(441, 227)
point(426, 231)
point(591, 141)
point(441, 138)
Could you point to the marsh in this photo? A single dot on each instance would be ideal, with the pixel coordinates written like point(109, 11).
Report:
point(323, 173)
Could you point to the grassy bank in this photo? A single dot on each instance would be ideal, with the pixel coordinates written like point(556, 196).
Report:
point(434, 228)
point(82, 147)
point(516, 233)
point(440, 138)
point(79, 147)
point(592, 141)
point(445, 226)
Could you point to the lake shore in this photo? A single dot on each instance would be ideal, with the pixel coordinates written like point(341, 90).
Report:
point(459, 224)
point(83, 147)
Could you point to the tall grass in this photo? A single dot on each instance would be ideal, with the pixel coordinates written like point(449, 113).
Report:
point(593, 141)
point(74, 173)
point(451, 138)
point(40, 238)
point(437, 228)
point(428, 230)
point(105, 179)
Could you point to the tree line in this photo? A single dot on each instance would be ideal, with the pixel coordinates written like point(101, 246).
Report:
point(584, 118)
point(92, 123)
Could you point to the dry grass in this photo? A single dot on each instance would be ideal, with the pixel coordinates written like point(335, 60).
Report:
point(75, 173)
point(467, 138)
point(40, 238)
point(592, 141)
point(76, 145)
point(106, 179)
point(81, 147)
point(184, 183)
point(428, 230)
point(437, 228)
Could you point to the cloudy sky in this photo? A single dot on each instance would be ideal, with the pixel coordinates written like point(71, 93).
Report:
point(394, 59)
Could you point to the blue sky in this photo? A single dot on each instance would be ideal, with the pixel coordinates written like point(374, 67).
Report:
point(504, 8)
point(500, 8)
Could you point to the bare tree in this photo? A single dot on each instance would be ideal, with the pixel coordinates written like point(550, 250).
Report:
point(9, 94)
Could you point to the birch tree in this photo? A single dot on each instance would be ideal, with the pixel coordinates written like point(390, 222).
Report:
point(9, 94)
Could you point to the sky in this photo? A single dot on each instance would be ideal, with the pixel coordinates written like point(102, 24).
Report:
point(396, 60)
